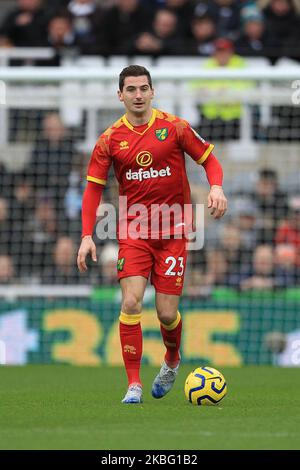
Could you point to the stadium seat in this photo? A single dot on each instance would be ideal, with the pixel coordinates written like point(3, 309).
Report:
point(166, 96)
point(180, 62)
point(90, 61)
point(15, 155)
point(145, 61)
point(287, 62)
point(118, 61)
point(70, 110)
point(291, 183)
point(95, 94)
point(240, 183)
point(256, 62)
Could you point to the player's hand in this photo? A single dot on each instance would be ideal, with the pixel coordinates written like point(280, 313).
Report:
point(217, 201)
point(87, 247)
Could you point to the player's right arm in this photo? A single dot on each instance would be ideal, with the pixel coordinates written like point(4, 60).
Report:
point(90, 202)
point(97, 175)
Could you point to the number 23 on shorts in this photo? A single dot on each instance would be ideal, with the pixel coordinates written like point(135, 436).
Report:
point(175, 266)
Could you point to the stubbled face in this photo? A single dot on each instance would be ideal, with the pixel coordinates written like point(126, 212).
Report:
point(127, 5)
point(58, 29)
point(224, 3)
point(53, 127)
point(263, 260)
point(223, 56)
point(281, 7)
point(285, 255)
point(203, 29)
point(216, 263)
point(246, 222)
point(29, 5)
point(136, 95)
point(231, 238)
point(64, 252)
point(175, 3)
point(254, 29)
point(85, 2)
point(6, 268)
point(3, 210)
point(165, 23)
point(266, 187)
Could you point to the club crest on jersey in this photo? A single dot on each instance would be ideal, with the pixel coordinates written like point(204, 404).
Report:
point(162, 134)
point(120, 264)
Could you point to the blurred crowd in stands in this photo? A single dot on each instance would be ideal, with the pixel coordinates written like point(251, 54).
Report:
point(269, 28)
point(256, 246)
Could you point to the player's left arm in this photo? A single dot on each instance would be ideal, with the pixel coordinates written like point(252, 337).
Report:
point(216, 199)
point(201, 152)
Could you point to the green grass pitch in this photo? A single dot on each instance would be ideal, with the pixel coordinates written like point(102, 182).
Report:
point(64, 407)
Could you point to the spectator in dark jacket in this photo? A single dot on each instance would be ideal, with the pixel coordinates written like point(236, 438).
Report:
point(87, 18)
point(162, 39)
point(25, 25)
point(254, 40)
point(40, 232)
point(5, 229)
point(288, 231)
point(6, 181)
point(7, 271)
point(272, 205)
point(261, 276)
point(203, 30)
point(21, 211)
point(184, 10)
point(61, 36)
point(51, 160)
point(225, 13)
point(286, 269)
point(283, 23)
point(271, 269)
point(62, 268)
point(122, 23)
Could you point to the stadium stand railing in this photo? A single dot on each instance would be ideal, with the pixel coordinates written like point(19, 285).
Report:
point(29, 54)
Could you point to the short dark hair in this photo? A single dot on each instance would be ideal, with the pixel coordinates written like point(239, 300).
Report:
point(268, 174)
point(133, 71)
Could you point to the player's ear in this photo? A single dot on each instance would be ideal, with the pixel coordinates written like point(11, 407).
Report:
point(152, 93)
point(120, 95)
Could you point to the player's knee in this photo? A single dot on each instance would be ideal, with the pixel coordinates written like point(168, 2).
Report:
point(131, 304)
point(167, 316)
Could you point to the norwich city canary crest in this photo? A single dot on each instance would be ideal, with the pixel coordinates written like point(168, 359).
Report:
point(120, 264)
point(162, 134)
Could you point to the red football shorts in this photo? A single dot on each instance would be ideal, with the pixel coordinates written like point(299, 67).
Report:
point(164, 259)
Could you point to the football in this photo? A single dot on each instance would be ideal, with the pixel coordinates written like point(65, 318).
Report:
point(205, 386)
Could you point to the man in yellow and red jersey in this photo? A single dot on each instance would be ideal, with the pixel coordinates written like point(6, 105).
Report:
point(146, 148)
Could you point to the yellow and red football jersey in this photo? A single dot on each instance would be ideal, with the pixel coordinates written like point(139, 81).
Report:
point(148, 160)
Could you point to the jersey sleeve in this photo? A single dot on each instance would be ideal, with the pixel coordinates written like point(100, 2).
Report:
point(192, 143)
point(100, 162)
